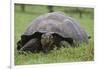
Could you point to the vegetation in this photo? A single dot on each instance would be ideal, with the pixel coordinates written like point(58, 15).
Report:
point(84, 52)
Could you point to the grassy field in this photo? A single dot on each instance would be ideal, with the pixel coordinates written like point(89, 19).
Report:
point(77, 54)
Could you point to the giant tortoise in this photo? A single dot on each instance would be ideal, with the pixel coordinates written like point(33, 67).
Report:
point(48, 30)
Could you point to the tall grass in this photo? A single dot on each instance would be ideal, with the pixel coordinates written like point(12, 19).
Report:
point(82, 53)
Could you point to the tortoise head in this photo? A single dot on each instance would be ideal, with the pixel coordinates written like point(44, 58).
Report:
point(47, 41)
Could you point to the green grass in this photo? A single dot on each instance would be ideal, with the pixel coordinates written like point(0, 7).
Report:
point(84, 52)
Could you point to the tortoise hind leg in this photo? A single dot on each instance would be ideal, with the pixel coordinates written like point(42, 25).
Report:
point(70, 41)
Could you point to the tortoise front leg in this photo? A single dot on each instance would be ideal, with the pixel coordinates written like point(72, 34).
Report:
point(32, 45)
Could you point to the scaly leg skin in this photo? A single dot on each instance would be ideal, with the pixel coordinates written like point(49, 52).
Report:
point(32, 45)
